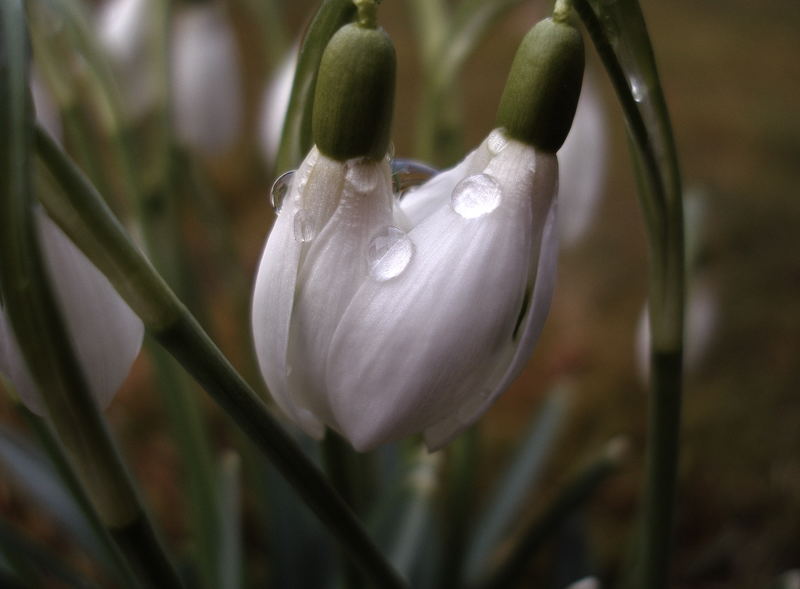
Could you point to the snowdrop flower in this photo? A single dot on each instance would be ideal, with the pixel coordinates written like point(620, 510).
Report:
point(583, 167)
point(129, 32)
point(105, 333)
point(414, 319)
point(206, 82)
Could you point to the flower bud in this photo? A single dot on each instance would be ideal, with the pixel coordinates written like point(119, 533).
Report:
point(105, 333)
point(542, 90)
point(354, 96)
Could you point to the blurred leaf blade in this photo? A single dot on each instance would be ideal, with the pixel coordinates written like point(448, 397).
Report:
point(296, 134)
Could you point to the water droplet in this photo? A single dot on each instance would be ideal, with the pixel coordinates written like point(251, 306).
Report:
point(476, 196)
point(407, 174)
point(279, 190)
point(496, 142)
point(389, 254)
point(638, 89)
point(362, 179)
point(303, 226)
point(289, 370)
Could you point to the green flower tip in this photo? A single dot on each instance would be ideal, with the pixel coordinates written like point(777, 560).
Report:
point(354, 96)
point(544, 85)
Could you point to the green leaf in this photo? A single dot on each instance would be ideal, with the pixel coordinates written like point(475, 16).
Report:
point(296, 135)
point(510, 496)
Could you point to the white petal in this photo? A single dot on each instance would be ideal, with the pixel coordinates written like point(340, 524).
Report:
point(542, 276)
point(274, 294)
point(408, 350)
point(421, 202)
point(275, 104)
point(105, 333)
point(583, 159)
point(205, 80)
point(334, 267)
point(46, 108)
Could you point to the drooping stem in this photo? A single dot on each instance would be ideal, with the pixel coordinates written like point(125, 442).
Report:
point(621, 39)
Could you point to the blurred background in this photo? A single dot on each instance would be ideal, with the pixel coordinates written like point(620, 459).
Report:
point(731, 77)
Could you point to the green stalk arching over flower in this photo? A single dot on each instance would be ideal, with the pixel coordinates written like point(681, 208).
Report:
point(400, 320)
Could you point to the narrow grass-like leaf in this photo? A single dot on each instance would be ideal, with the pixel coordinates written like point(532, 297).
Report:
point(509, 496)
point(230, 509)
point(574, 494)
point(43, 562)
point(84, 216)
point(35, 316)
point(296, 135)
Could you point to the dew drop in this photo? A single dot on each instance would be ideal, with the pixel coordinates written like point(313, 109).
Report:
point(496, 142)
point(303, 226)
point(407, 174)
point(638, 89)
point(389, 254)
point(279, 190)
point(289, 370)
point(476, 196)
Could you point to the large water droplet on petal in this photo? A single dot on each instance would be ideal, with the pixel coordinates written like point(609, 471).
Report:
point(476, 196)
point(389, 254)
point(497, 141)
point(303, 226)
point(638, 88)
point(360, 178)
point(407, 174)
point(280, 188)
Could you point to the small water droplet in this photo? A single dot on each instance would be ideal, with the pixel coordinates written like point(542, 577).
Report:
point(303, 226)
point(638, 89)
point(279, 190)
point(389, 254)
point(496, 142)
point(476, 196)
point(407, 174)
point(289, 370)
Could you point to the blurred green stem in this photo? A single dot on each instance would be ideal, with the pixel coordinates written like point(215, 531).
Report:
point(82, 214)
point(579, 489)
point(621, 39)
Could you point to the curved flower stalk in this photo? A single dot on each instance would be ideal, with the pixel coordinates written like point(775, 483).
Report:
point(583, 160)
point(104, 331)
point(206, 81)
point(128, 31)
point(274, 105)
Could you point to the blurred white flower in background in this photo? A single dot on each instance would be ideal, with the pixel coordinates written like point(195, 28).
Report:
point(583, 159)
point(105, 333)
point(206, 79)
point(47, 114)
point(129, 32)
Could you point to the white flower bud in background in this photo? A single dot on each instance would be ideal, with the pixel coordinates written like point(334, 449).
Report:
point(274, 104)
point(128, 31)
point(206, 80)
point(47, 114)
point(105, 333)
point(583, 160)
point(587, 583)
